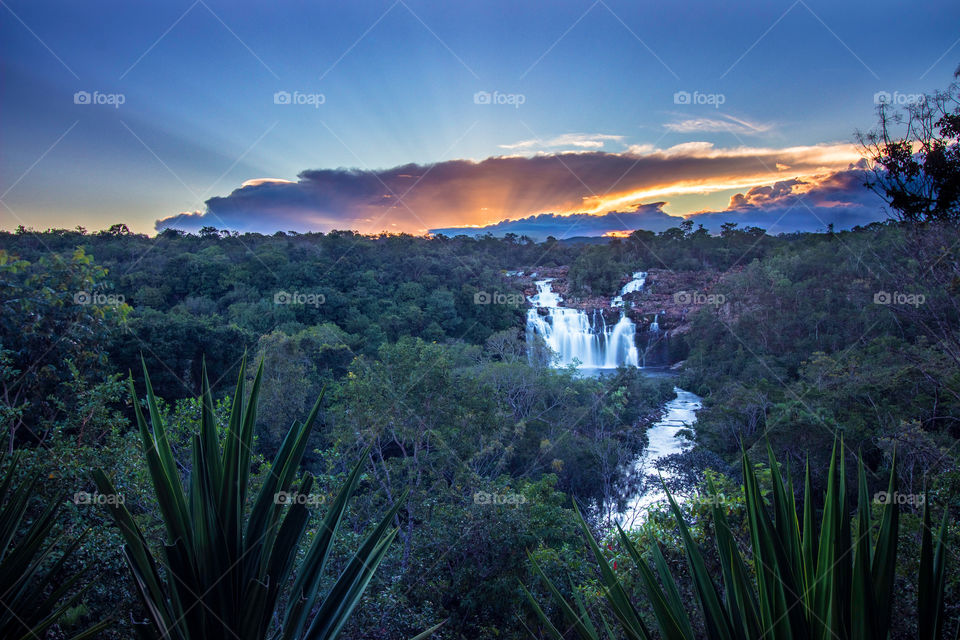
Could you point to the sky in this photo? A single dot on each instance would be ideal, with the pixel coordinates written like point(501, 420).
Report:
point(560, 118)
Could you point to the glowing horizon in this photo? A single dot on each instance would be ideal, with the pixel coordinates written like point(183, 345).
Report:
point(171, 110)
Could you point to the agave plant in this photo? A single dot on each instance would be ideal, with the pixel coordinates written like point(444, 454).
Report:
point(799, 582)
point(33, 593)
point(227, 564)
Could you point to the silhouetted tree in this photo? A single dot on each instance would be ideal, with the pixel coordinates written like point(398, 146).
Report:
point(915, 158)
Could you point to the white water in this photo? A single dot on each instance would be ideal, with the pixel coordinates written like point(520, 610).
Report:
point(681, 413)
point(576, 338)
point(635, 284)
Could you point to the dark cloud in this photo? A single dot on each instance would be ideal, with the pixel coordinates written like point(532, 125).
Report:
point(839, 198)
point(790, 205)
point(416, 198)
point(759, 196)
point(647, 216)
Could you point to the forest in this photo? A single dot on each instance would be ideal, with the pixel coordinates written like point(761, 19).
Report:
point(438, 478)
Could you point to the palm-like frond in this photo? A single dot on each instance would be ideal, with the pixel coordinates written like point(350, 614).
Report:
point(798, 582)
point(224, 574)
point(33, 594)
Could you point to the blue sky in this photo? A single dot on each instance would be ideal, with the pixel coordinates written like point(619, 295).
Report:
point(398, 82)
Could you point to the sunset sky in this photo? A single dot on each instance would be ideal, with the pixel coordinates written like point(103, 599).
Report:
point(418, 116)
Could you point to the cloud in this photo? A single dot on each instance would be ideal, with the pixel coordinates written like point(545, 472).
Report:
point(577, 140)
point(759, 196)
point(648, 216)
point(722, 124)
point(258, 181)
point(837, 198)
point(415, 198)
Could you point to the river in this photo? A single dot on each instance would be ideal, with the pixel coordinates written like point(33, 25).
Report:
point(679, 414)
point(593, 346)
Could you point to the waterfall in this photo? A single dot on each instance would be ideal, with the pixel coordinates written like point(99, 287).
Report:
point(574, 337)
point(585, 339)
point(636, 284)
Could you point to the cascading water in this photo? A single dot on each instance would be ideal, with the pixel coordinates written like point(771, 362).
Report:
point(575, 338)
point(636, 284)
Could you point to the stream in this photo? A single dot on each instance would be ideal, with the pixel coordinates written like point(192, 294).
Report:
point(592, 345)
point(679, 413)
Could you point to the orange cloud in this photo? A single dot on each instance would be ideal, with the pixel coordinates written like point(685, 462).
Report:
point(255, 182)
point(416, 198)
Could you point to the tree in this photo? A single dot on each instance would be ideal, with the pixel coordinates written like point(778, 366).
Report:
point(915, 156)
point(175, 346)
point(118, 229)
point(226, 569)
point(507, 345)
point(298, 367)
point(55, 316)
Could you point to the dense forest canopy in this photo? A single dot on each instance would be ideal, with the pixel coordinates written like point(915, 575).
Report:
point(445, 452)
point(800, 351)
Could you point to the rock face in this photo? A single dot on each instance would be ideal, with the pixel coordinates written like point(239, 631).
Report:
point(676, 295)
point(673, 296)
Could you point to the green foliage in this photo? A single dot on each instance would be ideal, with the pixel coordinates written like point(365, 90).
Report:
point(441, 386)
point(36, 593)
point(298, 367)
point(225, 570)
point(599, 270)
point(55, 320)
point(595, 273)
point(215, 295)
point(175, 345)
point(802, 352)
point(799, 580)
point(451, 424)
point(95, 435)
